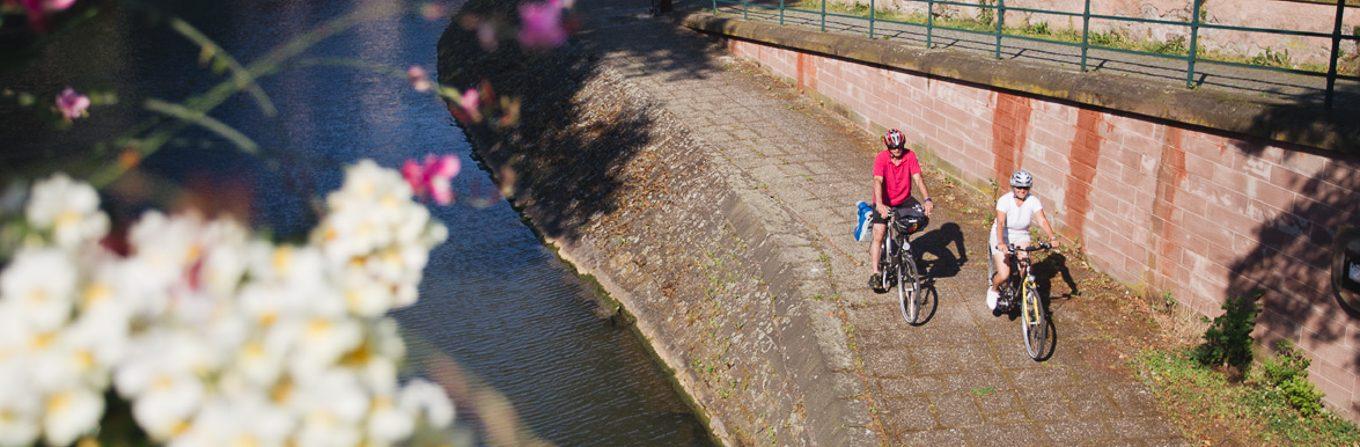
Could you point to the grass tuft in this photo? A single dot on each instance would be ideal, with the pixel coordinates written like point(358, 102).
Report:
point(1216, 410)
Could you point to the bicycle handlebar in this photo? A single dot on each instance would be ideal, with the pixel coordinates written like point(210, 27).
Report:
point(1041, 246)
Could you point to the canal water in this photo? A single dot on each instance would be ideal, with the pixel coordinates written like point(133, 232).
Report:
point(494, 299)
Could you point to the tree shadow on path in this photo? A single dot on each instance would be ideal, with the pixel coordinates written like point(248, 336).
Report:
point(578, 128)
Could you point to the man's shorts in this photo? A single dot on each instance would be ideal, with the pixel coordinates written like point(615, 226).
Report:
point(907, 207)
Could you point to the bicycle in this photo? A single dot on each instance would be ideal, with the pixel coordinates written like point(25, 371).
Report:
point(898, 264)
point(1035, 324)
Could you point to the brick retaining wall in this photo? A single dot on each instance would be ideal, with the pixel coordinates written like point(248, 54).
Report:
point(1168, 207)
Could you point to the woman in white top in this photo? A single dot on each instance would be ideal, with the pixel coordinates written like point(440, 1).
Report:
point(1016, 209)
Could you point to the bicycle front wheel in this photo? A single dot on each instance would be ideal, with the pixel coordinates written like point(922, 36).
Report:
point(1034, 324)
point(908, 289)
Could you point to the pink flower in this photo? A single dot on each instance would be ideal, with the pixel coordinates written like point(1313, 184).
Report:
point(541, 25)
point(433, 11)
point(432, 178)
point(57, 5)
point(44, 7)
point(420, 80)
point(37, 11)
point(72, 105)
point(470, 102)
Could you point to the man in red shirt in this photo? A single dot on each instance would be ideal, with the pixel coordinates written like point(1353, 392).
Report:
point(894, 171)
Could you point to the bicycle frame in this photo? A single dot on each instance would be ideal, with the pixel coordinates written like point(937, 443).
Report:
point(1029, 305)
point(1021, 281)
point(1033, 317)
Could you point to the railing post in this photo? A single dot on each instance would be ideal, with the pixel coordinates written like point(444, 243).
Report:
point(1085, 33)
point(745, 5)
point(1000, 23)
point(930, 22)
point(1336, 48)
point(781, 12)
point(824, 16)
point(1194, 43)
point(871, 19)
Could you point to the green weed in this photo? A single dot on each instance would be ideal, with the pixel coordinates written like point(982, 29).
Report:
point(1286, 373)
point(1211, 402)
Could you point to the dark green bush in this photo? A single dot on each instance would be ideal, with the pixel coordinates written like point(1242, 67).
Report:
point(1228, 339)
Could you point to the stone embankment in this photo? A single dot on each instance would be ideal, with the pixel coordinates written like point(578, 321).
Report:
point(722, 283)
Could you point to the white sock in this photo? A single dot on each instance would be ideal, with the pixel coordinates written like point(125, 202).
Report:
point(992, 296)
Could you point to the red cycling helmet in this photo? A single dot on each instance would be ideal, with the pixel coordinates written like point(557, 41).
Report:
point(894, 139)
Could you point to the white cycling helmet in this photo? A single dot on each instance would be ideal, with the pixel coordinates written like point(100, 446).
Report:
point(1022, 179)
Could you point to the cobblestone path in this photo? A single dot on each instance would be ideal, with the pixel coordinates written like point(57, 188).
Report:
point(963, 377)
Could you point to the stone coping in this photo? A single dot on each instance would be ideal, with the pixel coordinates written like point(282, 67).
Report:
point(1305, 126)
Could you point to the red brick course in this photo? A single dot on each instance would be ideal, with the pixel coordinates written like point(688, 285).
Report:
point(1169, 208)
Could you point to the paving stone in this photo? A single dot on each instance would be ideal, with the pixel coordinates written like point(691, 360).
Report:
point(945, 437)
point(1091, 402)
point(956, 409)
point(907, 414)
point(1167, 442)
point(869, 341)
point(1046, 406)
point(1150, 427)
point(1044, 379)
point(969, 380)
point(1078, 431)
point(889, 363)
point(878, 318)
point(998, 405)
point(937, 359)
point(908, 386)
point(1008, 435)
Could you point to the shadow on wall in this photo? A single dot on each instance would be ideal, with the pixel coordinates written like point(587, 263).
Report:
point(571, 156)
point(1294, 247)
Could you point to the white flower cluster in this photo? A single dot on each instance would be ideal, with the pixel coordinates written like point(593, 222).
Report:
point(212, 336)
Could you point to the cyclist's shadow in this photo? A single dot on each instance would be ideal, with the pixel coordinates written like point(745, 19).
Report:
point(944, 265)
point(1055, 264)
point(936, 243)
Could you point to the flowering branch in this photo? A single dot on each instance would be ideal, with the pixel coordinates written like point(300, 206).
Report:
point(211, 334)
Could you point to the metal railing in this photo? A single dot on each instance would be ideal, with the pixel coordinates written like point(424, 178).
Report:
point(998, 31)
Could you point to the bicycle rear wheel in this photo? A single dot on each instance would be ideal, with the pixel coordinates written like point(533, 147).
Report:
point(908, 288)
point(1034, 324)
